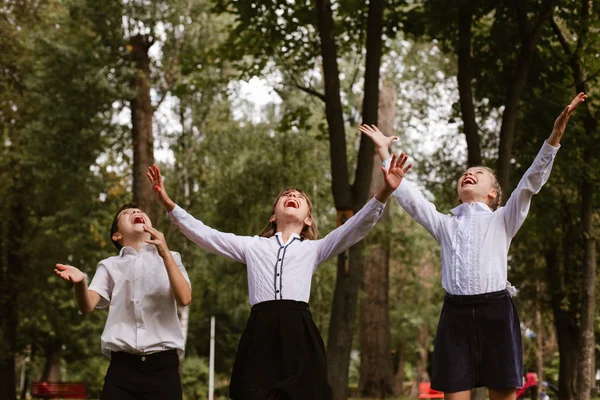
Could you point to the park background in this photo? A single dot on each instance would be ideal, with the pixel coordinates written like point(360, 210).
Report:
point(237, 99)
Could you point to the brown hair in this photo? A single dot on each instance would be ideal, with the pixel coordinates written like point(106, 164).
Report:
point(497, 202)
point(115, 225)
point(308, 232)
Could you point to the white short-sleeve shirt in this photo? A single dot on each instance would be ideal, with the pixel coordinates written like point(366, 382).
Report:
point(142, 315)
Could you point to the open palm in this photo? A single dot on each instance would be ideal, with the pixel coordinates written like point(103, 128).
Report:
point(398, 168)
point(69, 273)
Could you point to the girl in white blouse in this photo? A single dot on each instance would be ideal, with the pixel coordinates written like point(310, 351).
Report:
point(281, 352)
point(478, 341)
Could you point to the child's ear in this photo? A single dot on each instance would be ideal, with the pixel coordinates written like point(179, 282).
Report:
point(308, 221)
point(117, 236)
point(492, 194)
point(272, 219)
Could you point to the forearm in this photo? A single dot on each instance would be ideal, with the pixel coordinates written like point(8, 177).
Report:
point(180, 287)
point(383, 152)
point(554, 138)
point(83, 297)
point(384, 193)
point(167, 204)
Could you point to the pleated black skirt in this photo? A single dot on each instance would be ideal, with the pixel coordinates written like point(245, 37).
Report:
point(281, 352)
point(478, 343)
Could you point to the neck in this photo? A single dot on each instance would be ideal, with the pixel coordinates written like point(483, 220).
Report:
point(136, 242)
point(287, 230)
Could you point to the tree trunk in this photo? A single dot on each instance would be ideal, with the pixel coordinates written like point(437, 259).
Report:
point(347, 198)
point(343, 316)
point(515, 89)
point(539, 338)
point(141, 121)
point(11, 266)
point(586, 339)
point(465, 79)
point(566, 328)
point(376, 368)
point(399, 376)
point(52, 366)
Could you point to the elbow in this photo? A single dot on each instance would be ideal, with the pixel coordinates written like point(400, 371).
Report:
point(86, 310)
point(185, 301)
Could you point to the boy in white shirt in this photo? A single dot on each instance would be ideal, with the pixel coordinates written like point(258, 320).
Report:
point(142, 286)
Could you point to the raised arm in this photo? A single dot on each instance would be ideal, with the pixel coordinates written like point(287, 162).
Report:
point(86, 299)
point(418, 207)
point(382, 142)
point(179, 285)
point(353, 230)
point(223, 244)
point(517, 206)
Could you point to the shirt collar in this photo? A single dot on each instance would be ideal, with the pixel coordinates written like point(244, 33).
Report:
point(128, 250)
point(292, 237)
point(473, 207)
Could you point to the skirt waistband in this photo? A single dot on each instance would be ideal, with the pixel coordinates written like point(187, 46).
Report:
point(152, 357)
point(476, 298)
point(280, 305)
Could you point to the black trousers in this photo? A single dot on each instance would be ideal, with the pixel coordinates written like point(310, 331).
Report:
point(281, 353)
point(143, 377)
point(478, 343)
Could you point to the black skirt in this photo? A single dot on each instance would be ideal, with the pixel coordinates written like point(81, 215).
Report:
point(478, 343)
point(281, 352)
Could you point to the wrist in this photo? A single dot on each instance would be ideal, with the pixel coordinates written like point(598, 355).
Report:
point(168, 204)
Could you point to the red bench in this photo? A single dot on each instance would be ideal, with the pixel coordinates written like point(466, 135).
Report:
point(426, 392)
point(46, 390)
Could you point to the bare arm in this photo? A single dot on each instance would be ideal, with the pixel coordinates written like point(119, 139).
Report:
point(86, 299)
point(561, 122)
point(179, 285)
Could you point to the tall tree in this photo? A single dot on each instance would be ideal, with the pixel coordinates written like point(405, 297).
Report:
point(376, 370)
point(575, 58)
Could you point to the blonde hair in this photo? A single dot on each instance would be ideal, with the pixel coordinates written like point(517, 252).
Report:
point(497, 202)
point(309, 232)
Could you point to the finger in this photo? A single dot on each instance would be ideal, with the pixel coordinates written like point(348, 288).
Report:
point(62, 267)
point(158, 175)
point(375, 128)
point(151, 173)
point(150, 229)
point(401, 160)
point(150, 178)
point(151, 241)
point(407, 168)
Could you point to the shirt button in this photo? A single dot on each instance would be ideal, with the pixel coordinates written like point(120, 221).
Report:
point(143, 358)
point(277, 291)
point(278, 274)
point(280, 259)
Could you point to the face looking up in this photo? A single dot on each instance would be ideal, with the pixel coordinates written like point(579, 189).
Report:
point(131, 222)
point(292, 206)
point(477, 184)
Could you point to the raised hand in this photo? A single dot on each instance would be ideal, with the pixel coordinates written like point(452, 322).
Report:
point(69, 273)
point(377, 136)
point(158, 187)
point(158, 239)
point(398, 168)
point(561, 122)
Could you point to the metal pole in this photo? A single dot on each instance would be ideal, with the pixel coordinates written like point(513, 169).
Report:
point(211, 371)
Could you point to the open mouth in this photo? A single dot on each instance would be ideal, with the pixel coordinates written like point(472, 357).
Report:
point(291, 203)
point(468, 181)
point(138, 219)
